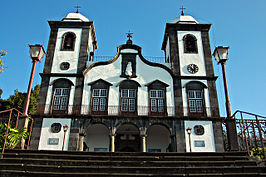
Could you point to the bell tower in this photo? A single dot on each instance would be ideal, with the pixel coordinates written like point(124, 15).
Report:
point(72, 43)
point(187, 49)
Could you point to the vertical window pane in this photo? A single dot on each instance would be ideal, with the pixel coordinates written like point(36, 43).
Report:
point(56, 103)
point(56, 100)
point(132, 93)
point(160, 93)
point(103, 93)
point(64, 101)
point(96, 92)
point(192, 106)
point(199, 106)
point(95, 104)
point(102, 104)
point(160, 105)
point(58, 91)
point(191, 94)
point(124, 104)
point(65, 92)
point(153, 105)
point(124, 93)
point(198, 94)
point(153, 93)
point(132, 105)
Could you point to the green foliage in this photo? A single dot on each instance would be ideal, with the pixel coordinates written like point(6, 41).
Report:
point(258, 153)
point(2, 53)
point(14, 136)
point(34, 99)
point(17, 101)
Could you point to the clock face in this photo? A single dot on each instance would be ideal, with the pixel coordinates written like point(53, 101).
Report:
point(192, 68)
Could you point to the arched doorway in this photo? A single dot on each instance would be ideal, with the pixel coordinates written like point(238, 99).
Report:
point(97, 138)
point(158, 138)
point(127, 138)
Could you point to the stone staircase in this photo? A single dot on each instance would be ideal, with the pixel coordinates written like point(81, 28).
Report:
point(22, 163)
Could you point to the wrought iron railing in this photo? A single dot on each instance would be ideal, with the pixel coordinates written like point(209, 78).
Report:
point(11, 117)
point(149, 58)
point(251, 130)
point(137, 111)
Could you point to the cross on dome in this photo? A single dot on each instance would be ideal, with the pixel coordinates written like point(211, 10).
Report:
point(129, 35)
point(182, 12)
point(77, 6)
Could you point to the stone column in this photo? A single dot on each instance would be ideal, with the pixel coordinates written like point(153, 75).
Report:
point(143, 136)
point(112, 142)
point(81, 140)
point(112, 135)
point(143, 142)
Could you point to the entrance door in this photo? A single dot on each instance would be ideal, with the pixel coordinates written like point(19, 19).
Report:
point(127, 139)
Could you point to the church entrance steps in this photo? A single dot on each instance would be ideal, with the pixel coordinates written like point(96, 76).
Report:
point(147, 163)
point(57, 163)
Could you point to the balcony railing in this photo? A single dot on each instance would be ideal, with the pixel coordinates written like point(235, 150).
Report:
point(117, 111)
point(149, 58)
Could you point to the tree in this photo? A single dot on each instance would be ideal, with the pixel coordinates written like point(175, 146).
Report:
point(2, 53)
point(17, 101)
point(14, 136)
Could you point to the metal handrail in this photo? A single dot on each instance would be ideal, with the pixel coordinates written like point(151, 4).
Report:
point(117, 111)
point(251, 131)
point(238, 111)
point(19, 114)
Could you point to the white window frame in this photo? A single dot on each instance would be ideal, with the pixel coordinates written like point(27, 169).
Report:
point(195, 101)
point(157, 98)
point(99, 99)
point(60, 101)
point(128, 100)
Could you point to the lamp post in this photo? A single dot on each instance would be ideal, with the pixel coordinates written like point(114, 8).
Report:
point(36, 53)
point(221, 56)
point(65, 128)
point(189, 138)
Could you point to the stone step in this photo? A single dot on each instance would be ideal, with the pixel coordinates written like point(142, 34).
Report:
point(129, 169)
point(133, 162)
point(40, 152)
point(21, 163)
point(114, 156)
point(17, 173)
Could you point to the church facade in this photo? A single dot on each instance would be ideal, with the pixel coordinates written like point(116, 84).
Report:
point(128, 104)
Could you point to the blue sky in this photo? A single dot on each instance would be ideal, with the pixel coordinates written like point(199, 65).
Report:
point(240, 24)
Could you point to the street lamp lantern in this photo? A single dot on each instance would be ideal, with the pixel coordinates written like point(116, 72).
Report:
point(189, 138)
point(221, 54)
point(65, 128)
point(36, 52)
point(189, 130)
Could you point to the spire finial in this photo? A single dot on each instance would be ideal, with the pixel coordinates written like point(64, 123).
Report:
point(182, 12)
point(129, 35)
point(77, 6)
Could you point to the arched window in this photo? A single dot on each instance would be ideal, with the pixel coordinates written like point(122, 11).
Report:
point(195, 99)
point(99, 96)
point(190, 44)
point(68, 41)
point(157, 97)
point(128, 96)
point(60, 97)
